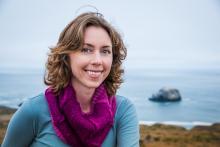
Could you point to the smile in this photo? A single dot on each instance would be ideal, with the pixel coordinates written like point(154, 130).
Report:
point(94, 73)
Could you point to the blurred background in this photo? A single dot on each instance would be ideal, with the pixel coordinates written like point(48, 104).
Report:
point(172, 43)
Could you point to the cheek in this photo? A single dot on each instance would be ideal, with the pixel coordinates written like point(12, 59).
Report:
point(109, 68)
point(108, 63)
point(74, 67)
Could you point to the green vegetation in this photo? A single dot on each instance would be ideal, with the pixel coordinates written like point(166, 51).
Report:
point(159, 135)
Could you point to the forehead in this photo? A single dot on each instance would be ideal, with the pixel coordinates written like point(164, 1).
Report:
point(96, 35)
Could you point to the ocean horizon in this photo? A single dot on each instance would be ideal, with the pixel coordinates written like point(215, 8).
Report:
point(199, 89)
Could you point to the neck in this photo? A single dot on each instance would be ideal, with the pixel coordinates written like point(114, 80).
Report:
point(83, 96)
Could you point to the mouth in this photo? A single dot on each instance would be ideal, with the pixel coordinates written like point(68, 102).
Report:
point(94, 73)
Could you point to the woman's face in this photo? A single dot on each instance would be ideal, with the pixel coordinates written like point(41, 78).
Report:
point(92, 64)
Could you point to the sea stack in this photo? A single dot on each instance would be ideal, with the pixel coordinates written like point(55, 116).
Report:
point(166, 95)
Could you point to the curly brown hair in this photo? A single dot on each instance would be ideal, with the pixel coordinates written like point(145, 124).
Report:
point(58, 72)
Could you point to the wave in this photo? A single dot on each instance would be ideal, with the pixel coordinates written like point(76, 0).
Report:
point(187, 125)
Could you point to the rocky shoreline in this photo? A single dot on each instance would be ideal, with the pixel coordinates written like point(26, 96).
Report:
point(157, 135)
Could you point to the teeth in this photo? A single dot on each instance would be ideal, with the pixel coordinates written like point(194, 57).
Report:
point(94, 73)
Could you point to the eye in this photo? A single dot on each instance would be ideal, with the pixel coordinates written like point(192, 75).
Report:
point(86, 50)
point(106, 51)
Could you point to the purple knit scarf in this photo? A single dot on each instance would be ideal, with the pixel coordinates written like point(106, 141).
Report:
point(80, 129)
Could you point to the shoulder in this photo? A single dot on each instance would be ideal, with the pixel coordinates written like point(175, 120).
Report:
point(126, 123)
point(123, 102)
point(35, 103)
point(35, 106)
point(29, 104)
point(39, 99)
point(125, 108)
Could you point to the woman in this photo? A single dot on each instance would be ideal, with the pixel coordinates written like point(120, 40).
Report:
point(80, 108)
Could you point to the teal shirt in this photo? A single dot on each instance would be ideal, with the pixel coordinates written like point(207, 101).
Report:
point(31, 126)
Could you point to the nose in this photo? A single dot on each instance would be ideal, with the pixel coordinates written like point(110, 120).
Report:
point(97, 59)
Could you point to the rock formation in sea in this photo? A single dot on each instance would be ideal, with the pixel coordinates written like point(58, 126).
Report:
point(166, 95)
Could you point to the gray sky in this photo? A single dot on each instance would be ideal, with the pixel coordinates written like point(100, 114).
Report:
point(158, 33)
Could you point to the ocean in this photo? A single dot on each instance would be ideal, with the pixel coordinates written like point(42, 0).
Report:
point(199, 88)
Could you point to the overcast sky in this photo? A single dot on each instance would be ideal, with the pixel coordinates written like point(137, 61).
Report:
point(158, 33)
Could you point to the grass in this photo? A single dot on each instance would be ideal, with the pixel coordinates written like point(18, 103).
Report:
point(159, 135)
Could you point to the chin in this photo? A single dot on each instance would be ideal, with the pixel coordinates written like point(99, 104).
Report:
point(94, 84)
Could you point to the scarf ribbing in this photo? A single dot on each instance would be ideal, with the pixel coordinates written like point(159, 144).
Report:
point(75, 127)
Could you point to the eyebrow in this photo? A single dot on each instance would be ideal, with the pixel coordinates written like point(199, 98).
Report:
point(90, 45)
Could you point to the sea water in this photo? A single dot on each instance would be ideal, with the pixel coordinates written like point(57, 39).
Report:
point(200, 91)
point(199, 88)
